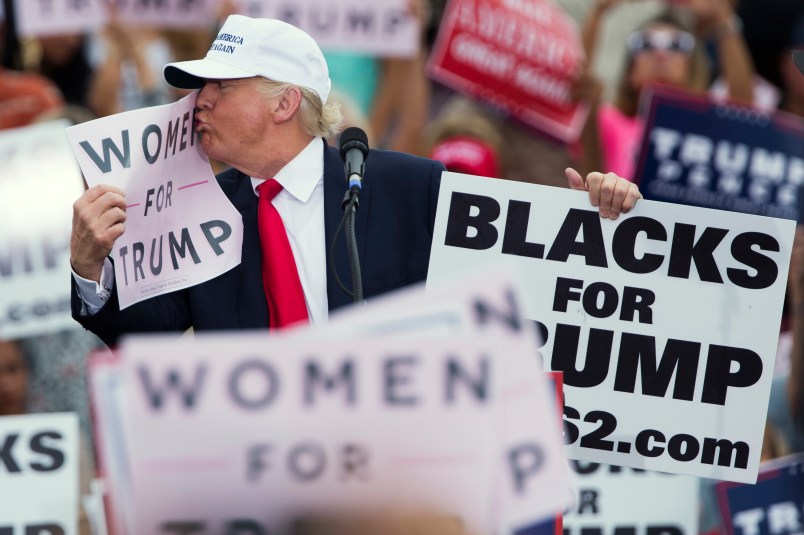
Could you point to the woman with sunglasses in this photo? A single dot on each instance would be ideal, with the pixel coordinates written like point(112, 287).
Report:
point(664, 50)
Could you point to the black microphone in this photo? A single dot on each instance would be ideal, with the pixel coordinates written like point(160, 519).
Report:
point(354, 151)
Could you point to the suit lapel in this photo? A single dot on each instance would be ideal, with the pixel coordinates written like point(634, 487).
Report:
point(252, 312)
point(334, 190)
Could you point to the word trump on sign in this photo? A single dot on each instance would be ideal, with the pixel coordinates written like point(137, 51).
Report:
point(774, 506)
point(703, 153)
point(378, 28)
point(664, 322)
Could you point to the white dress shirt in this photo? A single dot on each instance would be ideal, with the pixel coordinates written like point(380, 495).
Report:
point(300, 205)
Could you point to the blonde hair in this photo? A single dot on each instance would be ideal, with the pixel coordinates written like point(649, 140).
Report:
point(627, 98)
point(317, 119)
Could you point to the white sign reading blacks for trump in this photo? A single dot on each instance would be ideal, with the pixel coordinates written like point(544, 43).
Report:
point(664, 322)
point(39, 474)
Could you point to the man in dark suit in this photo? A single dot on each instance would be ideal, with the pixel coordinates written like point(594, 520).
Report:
point(262, 109)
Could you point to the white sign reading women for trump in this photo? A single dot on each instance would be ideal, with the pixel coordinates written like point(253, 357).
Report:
point(663, 322)
point(181, 229)
point(323, 425)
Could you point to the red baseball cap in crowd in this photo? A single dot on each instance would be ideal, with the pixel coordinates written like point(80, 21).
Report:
point(25, 98)
point(465, 154)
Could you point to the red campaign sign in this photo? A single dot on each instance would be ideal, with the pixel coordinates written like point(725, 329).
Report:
point(521, 56)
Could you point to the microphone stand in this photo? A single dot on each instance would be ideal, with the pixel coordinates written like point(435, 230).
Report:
point(350, 205)
point(354, 151)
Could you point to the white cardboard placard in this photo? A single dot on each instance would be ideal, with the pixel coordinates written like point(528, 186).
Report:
point(50, 17)
point(378, 28)
point(168, 13)
point(705, 283)
point(39, 181)
point(290, 417)
point(613, 497)
point(181, 230)
point(488, 299)
point(39, 473)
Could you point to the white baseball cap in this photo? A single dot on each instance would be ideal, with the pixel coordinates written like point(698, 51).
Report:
point(246, 47)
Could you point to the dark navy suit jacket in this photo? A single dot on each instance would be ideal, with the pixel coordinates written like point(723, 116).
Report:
point(394, 229)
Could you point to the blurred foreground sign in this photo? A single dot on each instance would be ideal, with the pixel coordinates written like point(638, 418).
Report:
point(39, 474)
point(702, 153)
point(612, 499)
point(520, 56)
point(460, 424)
point(664, 322)
point(39, 181)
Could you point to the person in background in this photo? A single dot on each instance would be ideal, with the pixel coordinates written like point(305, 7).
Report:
point(466, 140)
point(16, 379)
point(63, 59)
point(795, 381)
point(469, 155)
point(795, 385)
point(664, 50)
point(127, 63)
point(402, 96)
point(791, 79)
point(15, 373)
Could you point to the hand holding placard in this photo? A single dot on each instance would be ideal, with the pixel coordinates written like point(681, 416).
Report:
point(99, 217)
point(612, 194)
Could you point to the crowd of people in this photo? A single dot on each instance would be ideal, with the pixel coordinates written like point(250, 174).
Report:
point(733, 49)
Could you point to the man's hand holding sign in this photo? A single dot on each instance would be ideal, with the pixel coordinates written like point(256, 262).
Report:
point(99, 218)
point(610, 193)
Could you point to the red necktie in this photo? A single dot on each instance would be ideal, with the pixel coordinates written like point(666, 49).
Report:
point(283, 289)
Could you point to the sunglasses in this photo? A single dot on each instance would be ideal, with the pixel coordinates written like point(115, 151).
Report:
point(669, 40)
